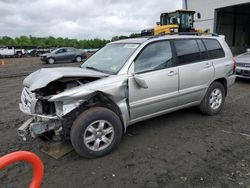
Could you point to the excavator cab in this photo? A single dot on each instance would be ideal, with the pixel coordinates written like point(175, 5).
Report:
point(178, 21)
point(172, 22)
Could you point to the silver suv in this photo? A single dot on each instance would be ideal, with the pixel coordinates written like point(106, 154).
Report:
point(125, 82)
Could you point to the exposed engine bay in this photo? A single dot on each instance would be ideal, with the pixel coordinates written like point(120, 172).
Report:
point(43, 106)
point(63, 84)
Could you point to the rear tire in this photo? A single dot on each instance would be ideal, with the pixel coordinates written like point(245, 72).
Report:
point(96, 132)
point(19, 54)
point(214, 99)
point(78, 59)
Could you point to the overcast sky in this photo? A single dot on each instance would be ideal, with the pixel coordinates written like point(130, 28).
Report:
point(80, 19)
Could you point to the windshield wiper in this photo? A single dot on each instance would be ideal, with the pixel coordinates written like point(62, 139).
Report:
point(95, 69)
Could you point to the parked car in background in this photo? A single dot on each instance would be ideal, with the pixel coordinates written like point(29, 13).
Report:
point(126, 82)
point(9, 51)
point(243, 65)
point(64, 55)
point(38, 51)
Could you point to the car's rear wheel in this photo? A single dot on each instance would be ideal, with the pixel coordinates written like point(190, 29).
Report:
point(19, 54)
point(96, 132)
point(78, 59)
point(51, 60)
point(214, 99)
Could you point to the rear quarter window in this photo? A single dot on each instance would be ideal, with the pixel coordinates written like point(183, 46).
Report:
point(214, 48)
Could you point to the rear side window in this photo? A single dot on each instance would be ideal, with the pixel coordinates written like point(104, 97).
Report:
point(214, 48)
point(203, 51)
point(187, 51)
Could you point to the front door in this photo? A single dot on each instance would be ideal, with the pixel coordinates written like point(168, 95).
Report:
point(60, 54)
point(70, 55)
point(156, 67)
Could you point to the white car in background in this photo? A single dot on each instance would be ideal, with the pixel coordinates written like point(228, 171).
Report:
point(11, 52)
point(243, 65)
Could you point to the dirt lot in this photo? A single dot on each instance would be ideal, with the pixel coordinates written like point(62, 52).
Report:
point(181, 149)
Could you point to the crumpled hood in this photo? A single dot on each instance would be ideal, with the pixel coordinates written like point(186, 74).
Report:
point(44, 76)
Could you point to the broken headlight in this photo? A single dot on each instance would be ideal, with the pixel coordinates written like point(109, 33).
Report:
point(59, 108)
point(39, 107)
point(62, 108)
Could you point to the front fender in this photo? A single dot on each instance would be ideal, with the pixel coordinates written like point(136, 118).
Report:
point(114, 88)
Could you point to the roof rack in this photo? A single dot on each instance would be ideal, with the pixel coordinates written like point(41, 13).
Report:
point(184, 33)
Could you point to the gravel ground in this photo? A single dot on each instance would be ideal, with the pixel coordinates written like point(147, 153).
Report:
point(181, 149)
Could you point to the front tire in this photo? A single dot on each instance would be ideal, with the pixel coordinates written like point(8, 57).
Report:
point(96, 132)
point(214, 99)
point(51, 60)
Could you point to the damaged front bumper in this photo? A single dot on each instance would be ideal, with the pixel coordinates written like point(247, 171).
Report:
point(23, 131)
point(38, 124)
point(43, 121)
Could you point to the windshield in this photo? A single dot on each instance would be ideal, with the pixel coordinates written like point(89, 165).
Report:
point(110, 58)
point(187, 20)
point(54, 51)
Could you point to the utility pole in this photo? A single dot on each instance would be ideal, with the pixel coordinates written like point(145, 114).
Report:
point(185, 4)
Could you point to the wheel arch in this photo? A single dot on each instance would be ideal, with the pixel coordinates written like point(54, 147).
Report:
point(223, 81)
point(100, 99)
point(103, 100)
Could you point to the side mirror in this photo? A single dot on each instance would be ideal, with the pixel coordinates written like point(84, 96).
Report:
point(140, 81)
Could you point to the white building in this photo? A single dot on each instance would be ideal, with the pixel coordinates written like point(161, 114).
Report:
point(226, 17)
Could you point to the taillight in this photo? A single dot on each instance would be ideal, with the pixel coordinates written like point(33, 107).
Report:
point(234, 68)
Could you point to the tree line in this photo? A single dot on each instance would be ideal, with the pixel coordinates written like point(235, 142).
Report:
point(48, 42)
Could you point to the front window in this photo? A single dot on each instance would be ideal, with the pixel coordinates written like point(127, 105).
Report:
point(111, 58)
point(155, 56)
point(58, 51)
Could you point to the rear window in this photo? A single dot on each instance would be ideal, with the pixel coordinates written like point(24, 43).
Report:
point(187, 51)
point(214, 48)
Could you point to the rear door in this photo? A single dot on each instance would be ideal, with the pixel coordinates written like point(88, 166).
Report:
point(71, 53)
point(156, 67)
point(195, 70)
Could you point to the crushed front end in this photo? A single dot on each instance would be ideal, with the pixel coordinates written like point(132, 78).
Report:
point(44, 118)
point(50, 116)
point(55, 97)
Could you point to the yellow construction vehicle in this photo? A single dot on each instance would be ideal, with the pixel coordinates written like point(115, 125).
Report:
point(172, 22)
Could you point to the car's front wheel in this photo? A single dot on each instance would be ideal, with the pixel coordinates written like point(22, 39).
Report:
point(214, 99)
point(96, 132)
point(51, 60)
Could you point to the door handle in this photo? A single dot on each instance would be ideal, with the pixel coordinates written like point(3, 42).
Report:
point(172, 73)
point(208, 65)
